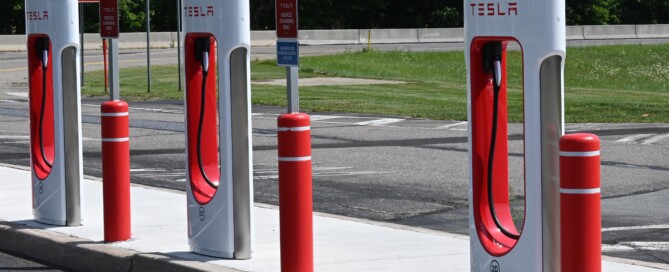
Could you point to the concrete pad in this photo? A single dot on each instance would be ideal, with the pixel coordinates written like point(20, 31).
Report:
point(437, 35)
point(330, 81)
point(594, 32)
point(389, 35)
point(159, 234)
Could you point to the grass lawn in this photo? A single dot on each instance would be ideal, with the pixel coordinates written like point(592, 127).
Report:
point(602, 84)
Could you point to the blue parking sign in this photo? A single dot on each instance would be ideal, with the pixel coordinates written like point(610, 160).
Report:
point(287, 53)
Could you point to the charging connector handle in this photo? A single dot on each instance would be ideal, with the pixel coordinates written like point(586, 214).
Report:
point(42, 49)
point(492, 63)
point(202, 52)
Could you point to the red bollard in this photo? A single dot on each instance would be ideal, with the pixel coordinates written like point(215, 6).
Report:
point(116, 170)
point(295, 196)
point(580, 204)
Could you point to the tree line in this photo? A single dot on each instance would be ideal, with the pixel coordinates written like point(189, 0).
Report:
point(352, 14)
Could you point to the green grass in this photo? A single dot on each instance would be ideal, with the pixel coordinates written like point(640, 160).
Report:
point(602, 84)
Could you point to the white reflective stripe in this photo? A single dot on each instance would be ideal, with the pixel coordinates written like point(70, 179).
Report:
point(116, 139)
point(579, 154)
point(294, 159)
point(580, 191)
point(295, 128)
point(114, 114)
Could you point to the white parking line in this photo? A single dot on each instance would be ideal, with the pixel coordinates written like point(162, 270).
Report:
point(655, 139)
point(323, 117)
point(647, 227)
point(452, 125)
point(380, 122)
point(23, 95)
point(634, 138)
point(636, 245)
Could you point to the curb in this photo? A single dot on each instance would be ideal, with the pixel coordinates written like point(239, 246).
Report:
point(84, 255)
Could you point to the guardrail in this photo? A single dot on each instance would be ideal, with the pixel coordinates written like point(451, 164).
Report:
point(359, 36)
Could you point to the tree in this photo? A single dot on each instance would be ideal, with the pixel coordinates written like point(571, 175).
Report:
point(12, 17)
point(644, 11)
point(592, 12)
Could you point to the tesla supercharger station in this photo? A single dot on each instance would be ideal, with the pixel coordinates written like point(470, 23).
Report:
point(218, 117)
point(55, 124)
point(538, 26)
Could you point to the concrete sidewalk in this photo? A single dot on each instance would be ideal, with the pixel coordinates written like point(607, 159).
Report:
point(159, 241)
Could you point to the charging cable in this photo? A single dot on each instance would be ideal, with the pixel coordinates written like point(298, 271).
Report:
point(202, 50)
point(497, 82)
point(43, 50)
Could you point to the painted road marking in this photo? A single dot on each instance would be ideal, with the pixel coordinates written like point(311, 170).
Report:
point(452, 125)
point(23, 95)
point(633, 138)
point(380, 122)
point(636, 245)
point(13, 69)
point(648, 227)
point(323, 117)
point(655, 138)
point(148, 170)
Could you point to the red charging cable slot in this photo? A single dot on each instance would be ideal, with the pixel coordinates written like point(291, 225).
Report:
point(202, 116)
point(493, 239)
point(40, 72)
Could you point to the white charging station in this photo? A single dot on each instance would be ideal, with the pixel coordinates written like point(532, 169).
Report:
point(219, 166)
point(55, 109)
point(538, 26)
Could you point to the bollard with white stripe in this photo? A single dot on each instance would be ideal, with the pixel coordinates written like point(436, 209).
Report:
point(116, 170)
point(295, 196)
point(580, 204)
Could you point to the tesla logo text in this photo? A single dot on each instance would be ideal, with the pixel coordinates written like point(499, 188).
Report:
point(494, 9)
point(196, 11)
point(37, 15)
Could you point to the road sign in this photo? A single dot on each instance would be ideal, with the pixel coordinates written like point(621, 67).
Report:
point(109, 19)
point(286, 19)
point(287, 53)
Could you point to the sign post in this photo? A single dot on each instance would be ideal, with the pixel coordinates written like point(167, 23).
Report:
point(109, 26)
point(294, 146)
point(287, 48)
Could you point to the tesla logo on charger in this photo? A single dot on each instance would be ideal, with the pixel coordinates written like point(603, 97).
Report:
point(197, 11)
point(37, 15)
point(494, 9)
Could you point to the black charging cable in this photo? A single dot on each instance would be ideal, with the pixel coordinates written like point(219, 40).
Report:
point(43, 52)
point(496, 69)
point(202, 53)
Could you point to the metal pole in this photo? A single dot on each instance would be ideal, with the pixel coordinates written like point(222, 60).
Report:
point(179, 40)
point(104, 55)
point(293, 89)
point(81, 39)
point(148, 44)
point(115, 86)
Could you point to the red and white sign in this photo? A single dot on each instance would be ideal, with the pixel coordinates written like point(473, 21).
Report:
point(109, 19)
point(286, 19)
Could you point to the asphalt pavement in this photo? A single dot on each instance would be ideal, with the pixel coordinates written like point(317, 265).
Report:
point(384, 168)
point(12, 263)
